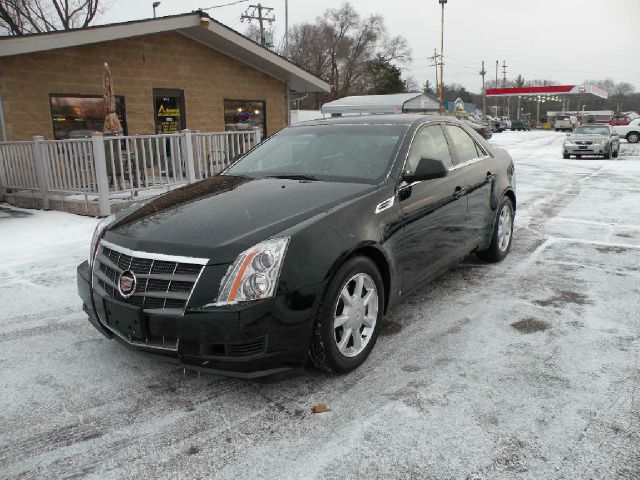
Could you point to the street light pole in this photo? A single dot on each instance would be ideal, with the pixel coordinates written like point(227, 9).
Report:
point(442, 3)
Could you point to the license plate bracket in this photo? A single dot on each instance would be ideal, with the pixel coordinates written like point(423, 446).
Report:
point(126, 319)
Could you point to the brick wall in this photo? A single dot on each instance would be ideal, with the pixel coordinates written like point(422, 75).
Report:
point(138, 65)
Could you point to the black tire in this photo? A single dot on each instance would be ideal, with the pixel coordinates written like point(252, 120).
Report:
point(633, 137)
point(566, 156)
point(494, 253)
point(324, 351)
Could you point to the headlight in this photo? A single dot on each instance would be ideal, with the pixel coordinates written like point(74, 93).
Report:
point(254, 274)
point(568, 143)
point(97, 235)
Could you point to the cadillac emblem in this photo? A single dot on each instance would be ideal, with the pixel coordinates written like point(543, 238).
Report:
point(127, 284)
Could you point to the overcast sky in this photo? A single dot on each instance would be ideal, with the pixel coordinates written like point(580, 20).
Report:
point(564, 40)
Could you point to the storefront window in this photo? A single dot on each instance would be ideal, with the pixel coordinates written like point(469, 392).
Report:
point(242, 115)
point(77, 116)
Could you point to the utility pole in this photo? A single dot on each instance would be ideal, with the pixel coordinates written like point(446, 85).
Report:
point(435, 63)
point(258, 12)
point(442, 3)
point(496, 86)
point(286, 28)
point(504, 84)
point(483, 72)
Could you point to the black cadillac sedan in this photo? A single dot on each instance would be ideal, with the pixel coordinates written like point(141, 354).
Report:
point(298, 250)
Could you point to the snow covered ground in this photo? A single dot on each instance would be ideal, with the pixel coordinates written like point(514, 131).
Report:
point(527, 369)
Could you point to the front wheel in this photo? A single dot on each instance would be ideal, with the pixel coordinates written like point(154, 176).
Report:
point(348, 320)
point(502, 233)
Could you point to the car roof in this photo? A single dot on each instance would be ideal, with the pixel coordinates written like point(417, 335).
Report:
point(393, 119)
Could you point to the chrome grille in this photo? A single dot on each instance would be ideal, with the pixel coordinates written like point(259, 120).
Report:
point(163, 286)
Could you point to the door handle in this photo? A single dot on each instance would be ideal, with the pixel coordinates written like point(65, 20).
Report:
point(459, 192)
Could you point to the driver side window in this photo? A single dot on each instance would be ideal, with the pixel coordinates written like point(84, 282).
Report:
point(429, 142)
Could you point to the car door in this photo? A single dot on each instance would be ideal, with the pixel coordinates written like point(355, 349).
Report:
point(478, 169)
point(432, 212)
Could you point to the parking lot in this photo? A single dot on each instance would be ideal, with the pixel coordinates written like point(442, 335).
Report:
point(524, 369)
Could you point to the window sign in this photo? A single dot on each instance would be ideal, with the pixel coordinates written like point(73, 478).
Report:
point(245, 115)
point(77, 116)
point(169, 111)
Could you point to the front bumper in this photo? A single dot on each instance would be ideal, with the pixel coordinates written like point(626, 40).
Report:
point(599, 149)
point(244, 340)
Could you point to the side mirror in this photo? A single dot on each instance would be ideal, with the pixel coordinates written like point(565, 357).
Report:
point(427, 169)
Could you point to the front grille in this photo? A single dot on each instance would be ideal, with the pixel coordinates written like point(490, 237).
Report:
point(583, 142)
point(162, 286)
point(247, 349)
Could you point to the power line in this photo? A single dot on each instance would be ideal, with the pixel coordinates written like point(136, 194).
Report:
point(224, 5)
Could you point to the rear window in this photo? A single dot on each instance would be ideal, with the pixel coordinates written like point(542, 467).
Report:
point(562, 117)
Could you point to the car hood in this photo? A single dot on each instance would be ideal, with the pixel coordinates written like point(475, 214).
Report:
point(588, 138)
point(221, 216)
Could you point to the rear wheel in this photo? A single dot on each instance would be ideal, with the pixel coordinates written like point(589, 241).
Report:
point(502, 233)
point(633, 137)
point(348, 321)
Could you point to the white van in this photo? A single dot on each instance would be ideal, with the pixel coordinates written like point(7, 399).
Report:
point(565, 122)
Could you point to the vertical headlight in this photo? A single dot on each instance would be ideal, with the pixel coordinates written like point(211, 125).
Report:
point(254, 274)
point(97, 235)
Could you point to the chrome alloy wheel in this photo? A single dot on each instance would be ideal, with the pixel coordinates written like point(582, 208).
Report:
point(355, 315)
point(505, 228)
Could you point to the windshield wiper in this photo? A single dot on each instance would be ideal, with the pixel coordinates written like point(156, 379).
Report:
point(293, 177)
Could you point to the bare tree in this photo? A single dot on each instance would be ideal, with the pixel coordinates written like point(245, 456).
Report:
point(20, 17)
point(339, 47)
point(621, 92)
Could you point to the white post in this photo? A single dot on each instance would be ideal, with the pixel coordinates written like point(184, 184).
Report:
point(102, 178)
point(258, 136)
point(188, 152)
point(41, 169)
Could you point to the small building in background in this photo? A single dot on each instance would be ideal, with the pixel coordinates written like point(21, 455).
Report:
point(381, 104)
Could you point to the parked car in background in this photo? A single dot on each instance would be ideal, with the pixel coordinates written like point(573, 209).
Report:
point(483, 130)
point(565, 122)
point(507, 122)
point(623, 118)
point(595, 139)
point(521, 124)
point(298, 249)
point(631, 131)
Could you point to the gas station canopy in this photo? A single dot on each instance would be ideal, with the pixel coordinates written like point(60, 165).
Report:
point(548, 90)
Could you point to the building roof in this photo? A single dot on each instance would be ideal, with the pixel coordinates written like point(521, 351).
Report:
point(392, 103)
point(197, 26)
point(548, 90)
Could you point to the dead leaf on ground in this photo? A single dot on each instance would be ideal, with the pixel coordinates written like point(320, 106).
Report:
point(320, 408)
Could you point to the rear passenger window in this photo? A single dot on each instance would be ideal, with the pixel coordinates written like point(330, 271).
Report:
point(429, 142)
point(465, 145)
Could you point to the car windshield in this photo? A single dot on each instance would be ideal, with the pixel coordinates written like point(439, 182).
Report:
point(591, 130)
point(343, 153)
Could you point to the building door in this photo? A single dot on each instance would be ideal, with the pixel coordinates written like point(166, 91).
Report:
point(169, 110)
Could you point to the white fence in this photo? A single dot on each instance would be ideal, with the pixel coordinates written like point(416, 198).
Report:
point(103, 167)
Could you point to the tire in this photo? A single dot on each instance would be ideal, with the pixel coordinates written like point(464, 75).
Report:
point(330, 349)
point(607, 155)
point(633, 137)
point(566, 156)
point(497, 250)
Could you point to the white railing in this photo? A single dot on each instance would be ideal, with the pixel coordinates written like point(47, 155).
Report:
point(103, 166)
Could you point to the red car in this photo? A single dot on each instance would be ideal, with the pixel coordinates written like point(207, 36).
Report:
point(622, 119)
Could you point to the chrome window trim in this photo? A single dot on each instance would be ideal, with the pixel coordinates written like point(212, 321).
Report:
point(469, 162)
point(154, 256)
